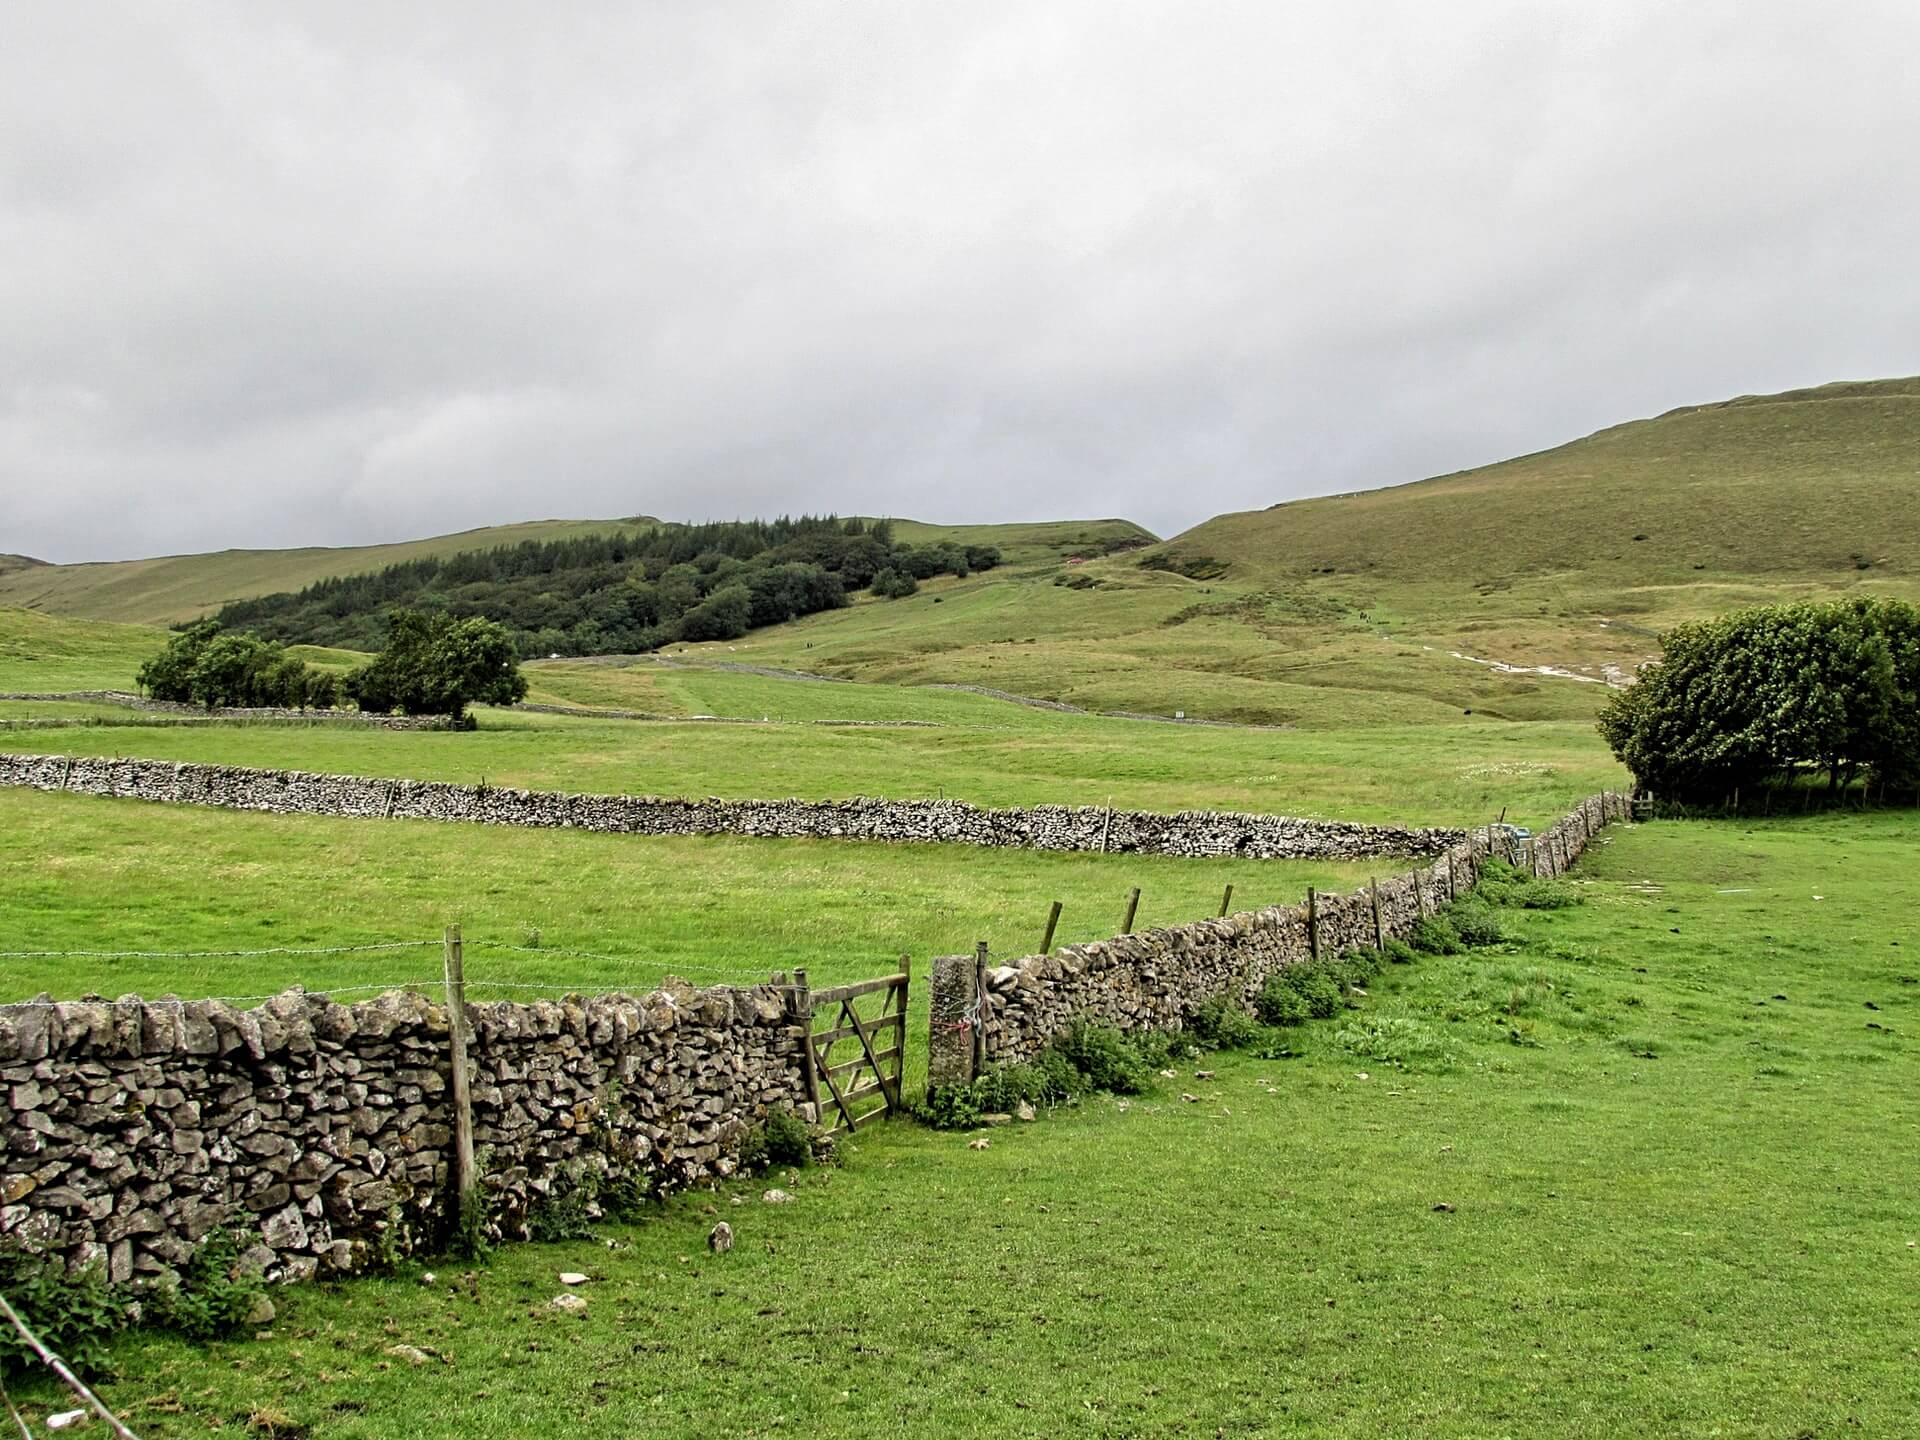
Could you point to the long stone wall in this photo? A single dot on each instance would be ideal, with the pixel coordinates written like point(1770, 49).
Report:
point(1041, 827)
point(130, 701)
point(135, 1127)
point(1158, 978)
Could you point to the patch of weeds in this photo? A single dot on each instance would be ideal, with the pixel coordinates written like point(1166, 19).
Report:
point(1435, 935)
point(1281, 1003)
point(467, 1239)
point(1505, 884)
point(213, 1295)
point(789, 1141)
point(1398, 952)
point(568, 1210)
point(74, 1311)
point(1220, 1024)
point(1107, 1059)
point(1475, 922)
point(1396, 1040)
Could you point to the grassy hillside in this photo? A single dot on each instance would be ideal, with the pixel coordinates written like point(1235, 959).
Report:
point(47, 653)
point(1386, 607)
point(1032, 542)
point(171, 588)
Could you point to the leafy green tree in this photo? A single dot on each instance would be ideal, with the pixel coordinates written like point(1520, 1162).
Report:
point(169, 675)
point(891, 584)
point(1766, 694)
point(439, 665)
point(724, 615)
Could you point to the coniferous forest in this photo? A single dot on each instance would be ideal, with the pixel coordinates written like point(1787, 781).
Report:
point(620, 593)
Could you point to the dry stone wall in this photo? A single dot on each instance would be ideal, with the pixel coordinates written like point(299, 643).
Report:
point(1041, 827)
point(236, 712)
point(1158, 978)
point(134, 1127)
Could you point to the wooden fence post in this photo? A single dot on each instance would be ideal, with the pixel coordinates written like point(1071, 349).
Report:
point(1226, 900)
point(1133, 905)
point(1106, 826)
point(1313, 923)
point(456, 978)
point(801, 998)
point(981, 1002)
point(1053, 919)
point(1419, 893)
point(1379, 923)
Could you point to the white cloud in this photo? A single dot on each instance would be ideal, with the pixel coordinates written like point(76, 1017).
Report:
point(320, 274)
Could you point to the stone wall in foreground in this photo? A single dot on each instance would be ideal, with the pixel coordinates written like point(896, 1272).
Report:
point(133, 1128)
point(1041, 827)
point(1156, 979)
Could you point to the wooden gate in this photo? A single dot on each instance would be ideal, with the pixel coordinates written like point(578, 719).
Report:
point(852, 1060)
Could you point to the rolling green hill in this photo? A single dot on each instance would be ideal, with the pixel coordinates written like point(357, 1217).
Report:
point(171, 588)
point(1392, 605)
point(1387, 607)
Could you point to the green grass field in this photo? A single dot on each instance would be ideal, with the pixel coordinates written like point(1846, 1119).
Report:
point(1672, 1127)
point(79, 873)
point(1430, 775)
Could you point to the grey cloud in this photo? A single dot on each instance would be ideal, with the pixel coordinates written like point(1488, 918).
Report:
point(315, 274)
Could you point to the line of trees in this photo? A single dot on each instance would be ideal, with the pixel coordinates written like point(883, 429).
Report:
point(207, 664)
point(1768, 695)
point(611, 594)
point(429, 665)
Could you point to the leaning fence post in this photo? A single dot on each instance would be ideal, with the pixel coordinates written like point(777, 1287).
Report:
point(1133, 905)
point(1226, 900)
point(1053, 919)
point(1379, 922)
point(1419, 892)
point(1313, 923)
point(456, 978)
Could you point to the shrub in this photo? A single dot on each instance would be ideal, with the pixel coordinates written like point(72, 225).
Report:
point(213, 1295)
point(1398, 952)
point(1001, 1090)
point(1504, 884)
point(1280, 1003)
point(1220, 1024)
point(891, 584)
point(1319, 986)
point(74, 1311)
point(1102, 1055)
point(1435, 935)
point(1475, 922)
point(789, 1141)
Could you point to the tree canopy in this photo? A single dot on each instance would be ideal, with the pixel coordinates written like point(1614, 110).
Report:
point(437, 665)
point(207, 664)
point(609, 594)
point(1765, 695)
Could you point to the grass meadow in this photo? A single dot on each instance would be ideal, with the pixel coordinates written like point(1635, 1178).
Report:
point(1463, 774)
point(1646, 1168)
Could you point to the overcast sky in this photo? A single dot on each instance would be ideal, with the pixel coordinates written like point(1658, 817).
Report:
point(327, 274)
